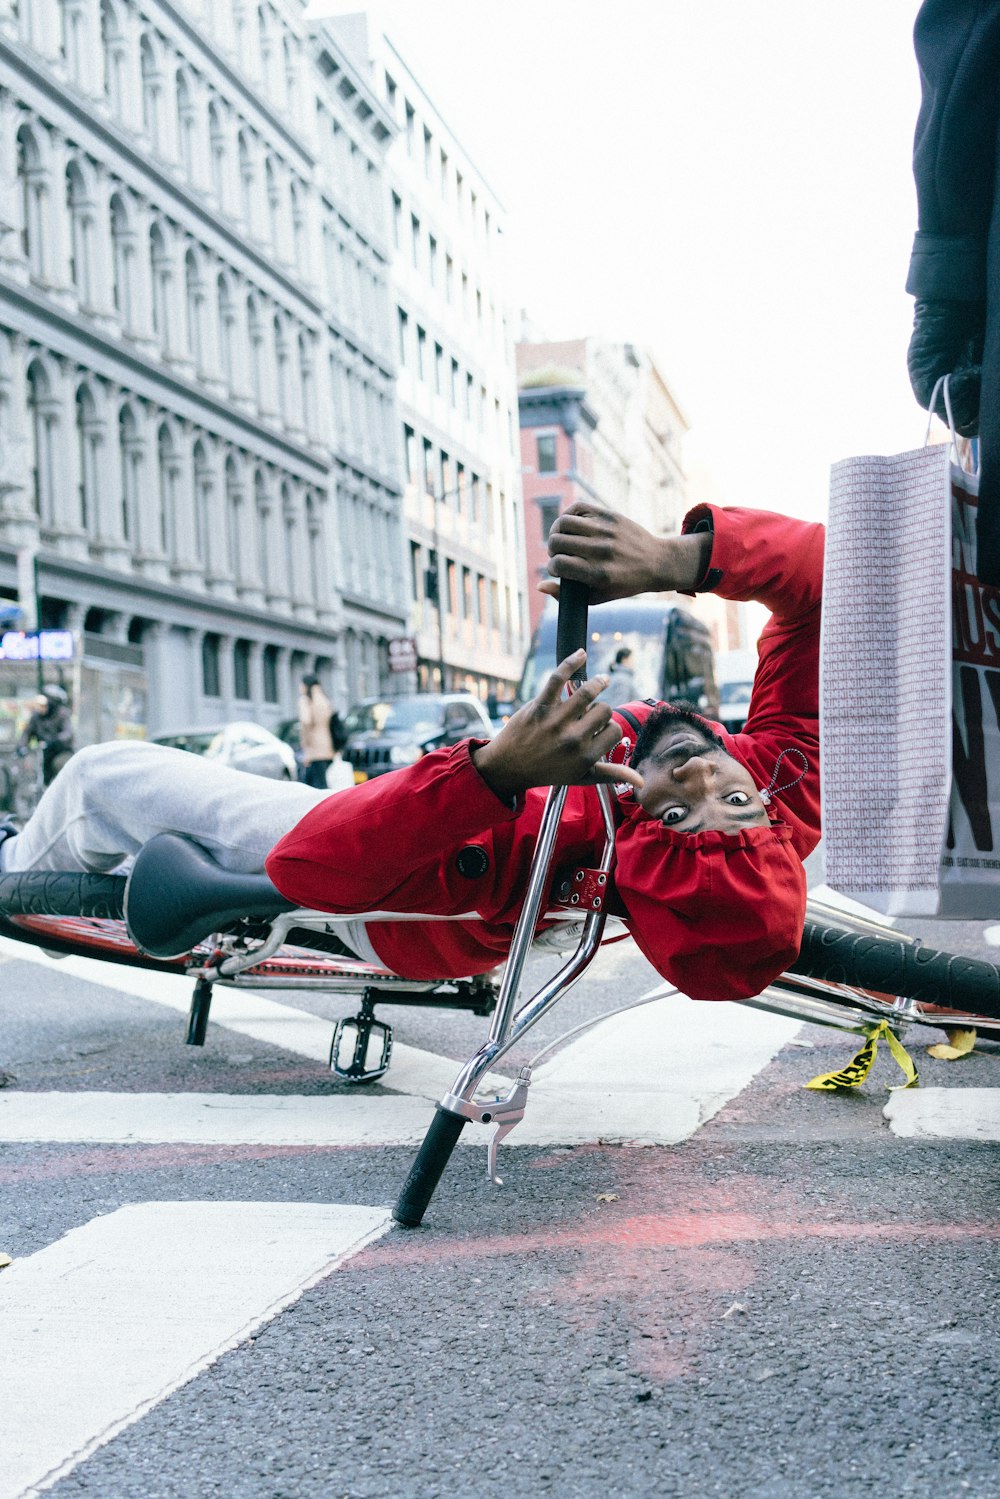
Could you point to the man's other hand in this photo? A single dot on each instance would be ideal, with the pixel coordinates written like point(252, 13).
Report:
point(947, 339)
point(617, 558)
point(555, 741)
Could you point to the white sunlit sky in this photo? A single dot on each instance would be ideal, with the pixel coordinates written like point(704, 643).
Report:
point(727, 182)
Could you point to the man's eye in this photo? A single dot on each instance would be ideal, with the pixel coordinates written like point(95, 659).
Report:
point(738, 798)
point(673, 814)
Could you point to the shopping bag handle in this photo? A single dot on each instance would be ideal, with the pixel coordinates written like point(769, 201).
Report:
point(571, 626)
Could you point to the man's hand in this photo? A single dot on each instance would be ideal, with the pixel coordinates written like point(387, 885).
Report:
point(555, 741)
point(947, 339)
point(618, 558)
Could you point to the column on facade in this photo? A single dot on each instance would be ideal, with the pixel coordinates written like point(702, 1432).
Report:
point(255, 671)
point(137, 266)
point(174, 334)
point(90, 69)
point(108, 532)
point(245, 523)
point(257, 221)
point(210, 372)
point(13, 262)
point(41, 26)
point(211, 480)
point(67, 486)
point(101, 251)
point(271, 543)
point(18, 521)
point(57, 247)
point(125, 47)
point(230, 200)
point(141, 461)
point(241, 377)
point(303, 601)
point(187, 568)
point(201, 144)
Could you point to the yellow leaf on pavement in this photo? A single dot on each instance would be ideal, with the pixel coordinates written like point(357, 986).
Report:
point(959, 1044)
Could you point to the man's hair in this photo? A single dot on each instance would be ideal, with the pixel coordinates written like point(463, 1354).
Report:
point(667, 717)
point(310, 682)
point(622, 655)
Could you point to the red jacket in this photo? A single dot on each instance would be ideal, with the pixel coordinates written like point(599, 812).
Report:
point(434, 837)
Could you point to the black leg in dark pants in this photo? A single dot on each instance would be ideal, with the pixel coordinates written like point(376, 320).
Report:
point(315, 773)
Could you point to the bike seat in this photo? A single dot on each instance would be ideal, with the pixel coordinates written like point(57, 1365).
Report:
point(177, 895)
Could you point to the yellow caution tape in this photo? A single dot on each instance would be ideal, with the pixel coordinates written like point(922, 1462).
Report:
point(959, 1044)
point(858, 1068)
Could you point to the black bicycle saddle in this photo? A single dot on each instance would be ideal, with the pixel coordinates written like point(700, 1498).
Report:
point(177, 895)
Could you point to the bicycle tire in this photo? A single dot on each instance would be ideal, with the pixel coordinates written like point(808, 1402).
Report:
point(41, 892)
point(895, 966)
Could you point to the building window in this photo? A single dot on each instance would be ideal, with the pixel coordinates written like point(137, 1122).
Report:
point(432, 259)
point(546, 451)
point(548, 510)
point(438, 369)
point(421, 353)
point(397, 221)
point(241, 670)
point(270, 664)
point(415, 239)
point(404, 334)
point(410, 446)
point(211, 683)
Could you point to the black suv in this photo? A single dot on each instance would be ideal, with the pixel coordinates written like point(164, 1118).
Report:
point(386, 733)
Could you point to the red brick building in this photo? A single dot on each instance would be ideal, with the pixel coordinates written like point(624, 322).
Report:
point(556, 467)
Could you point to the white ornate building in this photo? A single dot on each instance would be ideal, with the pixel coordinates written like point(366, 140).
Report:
point(198, 428)
point(457, 387)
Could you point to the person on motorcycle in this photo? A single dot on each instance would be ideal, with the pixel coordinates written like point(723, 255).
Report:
point(710, 828)
point(51, 726)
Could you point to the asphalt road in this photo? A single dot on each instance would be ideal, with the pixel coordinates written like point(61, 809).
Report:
point(792, 1301)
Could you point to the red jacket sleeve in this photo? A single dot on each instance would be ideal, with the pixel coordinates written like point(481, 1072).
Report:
point(376, 845)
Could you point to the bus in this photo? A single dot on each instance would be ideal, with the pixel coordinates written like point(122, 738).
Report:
point(671, 651)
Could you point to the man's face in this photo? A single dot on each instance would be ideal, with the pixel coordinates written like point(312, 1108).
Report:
point(692, 783)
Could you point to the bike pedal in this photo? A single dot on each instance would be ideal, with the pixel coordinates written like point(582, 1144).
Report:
point(361, 1048)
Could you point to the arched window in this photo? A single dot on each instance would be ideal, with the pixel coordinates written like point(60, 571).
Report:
point(152, 88)
point(159, 255)
point(291, 71)
point(227, 328)
point(306, 377)
point(34, 189)
point(113, 46)
point(273, 202)
point(80, 209)
point(289, 521)
point(203, 486)
point(234, 516)
point(246, 179)
point(264, 42)
point(88, 438)
point(185, 123)
point(44, 416)
point(211, 681)
point(167, 467)
point(71, 42)
point(194, 302)
point(262, 504)
point(217, 148)
point(255, 333)
point(122, 257)
point(314, 532)
point(130, 457)
point(241, 670)
point(298, 235)
point(281, 368)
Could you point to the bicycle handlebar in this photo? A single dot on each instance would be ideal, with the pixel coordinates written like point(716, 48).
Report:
point(571, 627)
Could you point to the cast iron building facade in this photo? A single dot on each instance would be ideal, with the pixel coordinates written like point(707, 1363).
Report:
point(197, 406)
point(457, 389)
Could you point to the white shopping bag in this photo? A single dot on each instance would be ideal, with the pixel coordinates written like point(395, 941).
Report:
point(910, 691)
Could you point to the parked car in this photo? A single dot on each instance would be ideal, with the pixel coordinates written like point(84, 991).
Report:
point(289, 731)
point(385, 733)
point(242, 746)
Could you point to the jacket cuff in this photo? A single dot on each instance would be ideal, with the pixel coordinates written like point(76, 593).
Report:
point(947, 267)
point(702, 518)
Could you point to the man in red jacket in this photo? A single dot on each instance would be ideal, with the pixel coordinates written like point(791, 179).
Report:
point(712, 827)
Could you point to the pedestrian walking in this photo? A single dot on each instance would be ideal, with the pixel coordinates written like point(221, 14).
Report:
point(315, 732)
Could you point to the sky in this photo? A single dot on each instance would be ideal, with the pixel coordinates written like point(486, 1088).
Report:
point(726, 182)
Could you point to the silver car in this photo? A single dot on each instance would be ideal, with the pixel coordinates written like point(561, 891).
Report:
point(241, 746)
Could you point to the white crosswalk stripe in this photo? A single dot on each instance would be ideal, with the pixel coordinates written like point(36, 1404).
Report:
point(106, 1322)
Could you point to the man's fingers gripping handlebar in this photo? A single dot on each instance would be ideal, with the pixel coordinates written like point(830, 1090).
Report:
point(556, 740)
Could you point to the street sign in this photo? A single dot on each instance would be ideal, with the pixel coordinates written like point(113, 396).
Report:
point(403, 653)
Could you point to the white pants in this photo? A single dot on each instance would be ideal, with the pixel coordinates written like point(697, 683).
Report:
point(110, 799)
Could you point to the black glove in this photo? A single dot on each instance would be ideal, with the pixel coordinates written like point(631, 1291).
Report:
point(948, 340)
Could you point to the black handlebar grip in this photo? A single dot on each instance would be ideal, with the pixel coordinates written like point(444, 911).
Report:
point(571, 627)
point(898, 967)
point(40, 892)
point(426, 1171)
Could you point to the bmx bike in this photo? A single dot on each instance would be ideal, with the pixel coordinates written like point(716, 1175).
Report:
point(178, 911)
